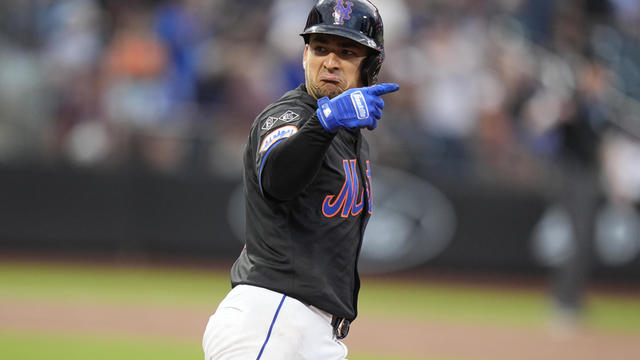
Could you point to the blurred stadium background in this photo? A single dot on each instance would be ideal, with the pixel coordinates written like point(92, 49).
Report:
point(509, 155)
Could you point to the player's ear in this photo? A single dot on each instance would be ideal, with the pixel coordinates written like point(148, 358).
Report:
point(304, 56)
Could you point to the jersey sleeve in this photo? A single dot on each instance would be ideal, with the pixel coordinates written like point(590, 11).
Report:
point(291, 147)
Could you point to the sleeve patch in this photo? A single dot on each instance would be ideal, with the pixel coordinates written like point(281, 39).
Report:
point(277, 134)
point(287, 116)
point(268, 124)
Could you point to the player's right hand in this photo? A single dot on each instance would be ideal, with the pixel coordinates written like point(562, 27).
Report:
point(354, 108)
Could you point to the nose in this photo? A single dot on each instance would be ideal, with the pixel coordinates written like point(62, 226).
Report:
point(332, 61)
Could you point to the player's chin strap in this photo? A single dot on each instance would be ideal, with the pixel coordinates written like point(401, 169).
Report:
point(340, 327)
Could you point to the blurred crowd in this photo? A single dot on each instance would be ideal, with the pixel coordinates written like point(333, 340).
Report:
point(496, 90)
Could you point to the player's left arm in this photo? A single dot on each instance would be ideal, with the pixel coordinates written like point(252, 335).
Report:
point(291, 164)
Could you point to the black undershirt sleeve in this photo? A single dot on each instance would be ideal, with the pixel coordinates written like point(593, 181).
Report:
point(292, 164)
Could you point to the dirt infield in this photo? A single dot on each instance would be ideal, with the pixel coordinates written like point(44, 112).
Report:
point(399, 338)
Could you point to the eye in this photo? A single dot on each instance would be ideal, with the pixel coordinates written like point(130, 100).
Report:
point(320, 50)
point(348, 52)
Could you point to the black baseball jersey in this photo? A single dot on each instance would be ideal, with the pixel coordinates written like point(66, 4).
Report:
point(308, 199)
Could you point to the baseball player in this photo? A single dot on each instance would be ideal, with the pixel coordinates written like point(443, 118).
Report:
point(307, 184)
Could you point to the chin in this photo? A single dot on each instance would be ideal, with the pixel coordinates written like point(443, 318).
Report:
point(320, 90)
point(331, 91)
point(332, 94)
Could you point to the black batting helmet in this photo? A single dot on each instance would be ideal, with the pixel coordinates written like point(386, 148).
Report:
point(358, 20)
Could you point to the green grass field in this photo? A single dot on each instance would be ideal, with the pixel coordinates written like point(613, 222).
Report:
point(23, 346)
point(205, 288)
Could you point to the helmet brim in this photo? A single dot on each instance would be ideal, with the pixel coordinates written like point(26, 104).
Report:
point(341, 31)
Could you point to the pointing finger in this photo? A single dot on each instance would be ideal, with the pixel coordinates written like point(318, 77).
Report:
point(381, 89)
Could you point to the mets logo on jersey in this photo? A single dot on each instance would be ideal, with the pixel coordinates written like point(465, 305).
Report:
point(347, 202)
point(342, 12)
point(277, 135)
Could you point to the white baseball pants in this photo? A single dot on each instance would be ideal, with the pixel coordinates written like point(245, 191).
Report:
point(257, 323)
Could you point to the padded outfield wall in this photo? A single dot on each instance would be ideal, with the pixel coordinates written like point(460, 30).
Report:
point(417, 223)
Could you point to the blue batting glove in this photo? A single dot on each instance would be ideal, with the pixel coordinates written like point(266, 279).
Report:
point(354, 108)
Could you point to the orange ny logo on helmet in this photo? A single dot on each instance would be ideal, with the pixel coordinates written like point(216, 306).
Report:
point(342, 12)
